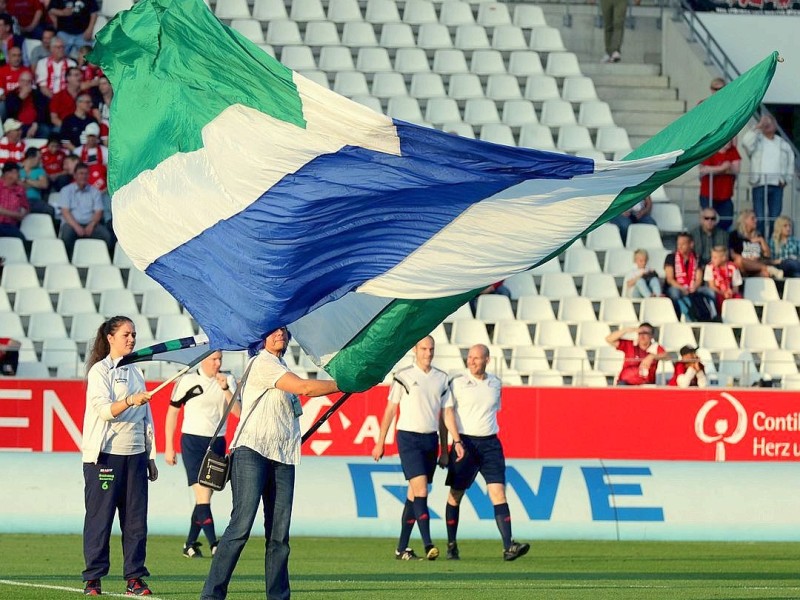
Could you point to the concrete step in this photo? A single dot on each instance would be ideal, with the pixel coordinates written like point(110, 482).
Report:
point(613, 92)
point(591, 66)
point(631, 81)
point(631, 119)
point(663, 106)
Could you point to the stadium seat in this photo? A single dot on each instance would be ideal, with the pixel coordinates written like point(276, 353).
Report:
point(144, 333)
point(46, 325)
point(571, 361)
point(74, 301)
point(465, 85)
point(791, 290)
point(357, 34)
point(13, 251)
point(449, 62)
point(605, 237)
point(411, 60)
point(56, 352)
point(492, 14)
point(111, 7)
point(557, 285)
point(46, 252)
point(643, 235)
point(404, 108)
point(509, 38)
point(442, 110)
point(760, 290)
point(592, 334)
point(612, 139)
point(418, 12)
point(790, 338)
point(32, 300)
point(529, 359)
point(397, 35)
point(594, 113)
point(480, 111)
point(580, 261)
point(11, 325)
point(32, 370)
point(517, 113)
point(503, 87)
point(103, 277)
point(492, 308)
point(552, 334)
point(546, 39)
point(374, 60)
point(580, 89)
point(298, 58)
point(737, 367)
point(158, 302)
point(461, 129)
point(619, 311)
point(618, 261)
point(521, 284)
point(534, 135)
point(307, 10)
point(608, 360)
point(336, 58)
point(497, 133)
point(529, 16)
point(61, 277)
point(574, 138)
point(791, 382)
point(232, 9)
point(511, 333)
point(471, 37)
point(524, 63)
point(576, 309)
point(673, 336)
point(270, 10)
point(590, 379)
point(716, 337)
point(562, 64)
point(37, 226)
point(467, 332)
point(382, 11)
point(283, 33)
point(388, 85)
point(657, 311)
point(117, 302)
point(779, 313)
point(540, 88)
point(533, 309)
point(342, 11)
point(139, 281)
point(758, 337)
point(777, 363)
point(546, 379)
point(463, 312)
point(18, 276)
point(88, 252)
point(668, 217)
point(5, 305)
point(597, 286)
point(434, 36)
point(454, 14)
point(170, 327)
point(557, 113)
point(449, 364)
point(350, 83)
point(427, 85)
point(737, 312)
point(249, 28)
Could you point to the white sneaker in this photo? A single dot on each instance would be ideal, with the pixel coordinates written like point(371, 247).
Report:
point(775, 272)
point(616, 56)
point(606, 59)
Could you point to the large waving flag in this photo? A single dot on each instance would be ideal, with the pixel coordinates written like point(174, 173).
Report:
point(260, 199)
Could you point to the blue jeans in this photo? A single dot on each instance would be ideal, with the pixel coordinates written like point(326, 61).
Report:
point(254, 477)
point(769, 210)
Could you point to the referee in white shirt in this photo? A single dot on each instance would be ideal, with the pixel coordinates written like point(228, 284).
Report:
point(420, 392)
point(203, 395)
point(474, 402)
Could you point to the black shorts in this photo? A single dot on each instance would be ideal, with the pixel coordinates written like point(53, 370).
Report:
point(418, 453)
point(193, 449)
point(482, 455)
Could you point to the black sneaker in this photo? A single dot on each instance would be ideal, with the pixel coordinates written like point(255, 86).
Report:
point(92, 588)
point(515, 550)
point(407, 554)
point(431, 552)
point(452, 551)
point(193, 550)
point(138, 587)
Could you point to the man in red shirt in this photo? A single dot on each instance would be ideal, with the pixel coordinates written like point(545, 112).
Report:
point(13, 203)
point(641, 356)
point(717, 179)
point(11, 71)
point(62, 104)
point(53, 156)
point(12, 148)
point(29, 14)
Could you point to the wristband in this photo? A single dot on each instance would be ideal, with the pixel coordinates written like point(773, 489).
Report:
point(458, 442)
point(225, 389)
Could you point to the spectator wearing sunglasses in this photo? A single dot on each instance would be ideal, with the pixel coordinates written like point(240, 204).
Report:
point(707, 235)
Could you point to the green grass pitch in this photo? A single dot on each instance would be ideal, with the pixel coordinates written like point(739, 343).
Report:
point(49, 566)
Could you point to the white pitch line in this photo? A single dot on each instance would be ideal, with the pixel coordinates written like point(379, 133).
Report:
point(62, 588)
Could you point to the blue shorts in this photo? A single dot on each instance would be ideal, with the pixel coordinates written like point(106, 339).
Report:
point(418, 453)
point(193, 449)
point(482, 455)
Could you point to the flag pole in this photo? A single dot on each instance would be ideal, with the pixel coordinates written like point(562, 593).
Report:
point(183, 371)
point(328, 414)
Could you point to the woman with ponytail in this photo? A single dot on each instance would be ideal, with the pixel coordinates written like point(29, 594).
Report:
point(118, 458)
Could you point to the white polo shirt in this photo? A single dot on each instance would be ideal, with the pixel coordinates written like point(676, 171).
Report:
point(202, 413)
point(476, 403)
point(420, 396)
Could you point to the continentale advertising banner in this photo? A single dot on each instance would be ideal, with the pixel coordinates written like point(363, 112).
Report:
point(645, 423)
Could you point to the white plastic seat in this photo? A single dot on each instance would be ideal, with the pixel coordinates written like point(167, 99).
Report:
point(417, 12)
point(510, 378)
point(537, 136)
point(103, 277)
point(511, 333)
point(517, 113)
point(88, 252)
point(529, 359)
point(657, 311)
point(503, 87)
point(557, 113)
point(791, 290)
point(434, 36)
point(487, 62)
point(5, 305)
point(492, 14)
point(604, 237)
point(350, 83)
point(411, 60)
point(298, 58)
point(591, 379)
point(37, 226)
point(46, 325)
point(159, 302)
point(249, 28)
point(32, 370)
point(61, 277)
point(465, 85)
point(343, 11)
point(574, 138)
point(170, 327)
point(358, 34)
point(524, 63)
point(467, 332)
point(529, 15)
point(449, 62)
point(541, 88)
point(397, 35)
point(737, 367)
point(492, 308)
point(463, 312)
point(551, 266)
point(521, 284)
point(597, 286)
point(471, 37)
point(32, 300)
point(139, 281)
point(117, 302)
point(283, 33)
point(307, 10)
point(779, 313)
point(374, 60)
point(760, 290)
point(674, 335)
point(757, 337)
point(612, 139)
point(321, 33)
point(717, 336)
point(144, 333)
point(480, 111)
point(791, 382)
point(546, 379)
point(578, 88)
point(11, 325)
point(738, 312)
point(427, 85)
point(562, 64)
point(442, 110)
point(459, 128)
point(571, 361)
point(388, 85)
point(404, 108)
point(112, 7)
point(56, 352)
point(668, 217)
point(608, 360)
point(557, 285)
point(617, 310)
point(777, 363)
point(508, 38)
point(382, 11)
point(576, 309)
point(643, 235)
point(657, 258)
point(592, 154)
point(546, 39)
point(439, 335)
point(552, 334)
point(270, 10)
point(13, 251)
point(618, 261)
point(120, 259)
point(594, 113)
point(497, 133)
point(790, 338)
point(336, 58)
point(456, 13)
point(18, 276)
point(317, 76)
point(449, 364)
point(533, 309)
point(592, 334)
point(232, 9)
point(580, 261)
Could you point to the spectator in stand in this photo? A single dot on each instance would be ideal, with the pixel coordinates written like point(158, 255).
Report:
point(90, 74)
point(722, 277)
point(682, 271)
point(74, 125)
point(103, 97)
point(641, 282)
point(75, 21)
point(750, 250)
point(707, 235)
point(771, 168)
point(785, 248)
point(12, 148)
point(641, 356)
point(30, 107)
point(63, 103)
point(29, 15)
point(614, 27)
point(689, 371)
point(51, 71)
point(96, 156)
point(717, 179)
point(34, 180)
point(13, 204)
point(82, 211)
point(53, 156)
point(9, 77)
point(639, 213)
point(8, 39)
point(42, 51)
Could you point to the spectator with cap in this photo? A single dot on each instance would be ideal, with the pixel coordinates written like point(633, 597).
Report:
point(51, 71)
point(73, 126)
point(30, 107)
point(12, 148)
point(75, 22)
point(13, 204)
point(689, 371)
point(82, 211)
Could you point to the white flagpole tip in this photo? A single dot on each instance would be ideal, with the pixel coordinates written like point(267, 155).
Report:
point(780, 58)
